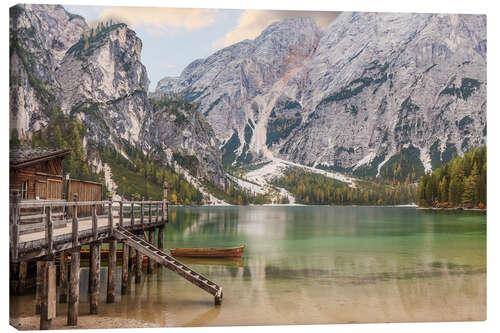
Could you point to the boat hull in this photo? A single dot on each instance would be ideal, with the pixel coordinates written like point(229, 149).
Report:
point(226, 252)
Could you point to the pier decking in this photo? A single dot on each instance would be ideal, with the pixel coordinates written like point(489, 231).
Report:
point(42, 229)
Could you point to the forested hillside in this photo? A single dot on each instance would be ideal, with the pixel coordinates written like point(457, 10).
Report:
point(316, 189)
point(459, 183)
point(138, 177)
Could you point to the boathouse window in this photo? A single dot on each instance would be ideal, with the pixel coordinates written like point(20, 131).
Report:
point(24, 190)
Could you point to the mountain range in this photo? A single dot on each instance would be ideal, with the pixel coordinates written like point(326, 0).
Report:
point(349, 101)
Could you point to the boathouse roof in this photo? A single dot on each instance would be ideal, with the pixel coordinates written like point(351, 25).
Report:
point(24, 156)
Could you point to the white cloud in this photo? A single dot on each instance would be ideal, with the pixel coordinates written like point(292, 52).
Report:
point(161, 18)
point(252, 22)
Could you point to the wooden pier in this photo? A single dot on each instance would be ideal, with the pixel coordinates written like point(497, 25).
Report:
point(45, 231)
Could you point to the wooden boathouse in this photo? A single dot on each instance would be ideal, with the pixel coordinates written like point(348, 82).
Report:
point(45, 228)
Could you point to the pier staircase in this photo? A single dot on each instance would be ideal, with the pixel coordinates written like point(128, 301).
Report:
point(169, 262)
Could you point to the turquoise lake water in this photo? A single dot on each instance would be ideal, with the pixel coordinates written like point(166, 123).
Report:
point(314, 265)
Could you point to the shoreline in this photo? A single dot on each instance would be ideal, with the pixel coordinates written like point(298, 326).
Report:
point(32, 323)
point(304, 205)
point(454, 209)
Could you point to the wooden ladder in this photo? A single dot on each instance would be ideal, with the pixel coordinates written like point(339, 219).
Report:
point(169, 262)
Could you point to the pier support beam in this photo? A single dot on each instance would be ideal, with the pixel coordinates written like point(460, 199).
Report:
point(23, 278)
point(130, 259)
point(161, 237)
point(74, 287)
point(110, 298)
point(95, 278)
point(90, 265)
point(63, 278)
point(125, 269)
point(151, 240)
point(38, 286)
point(138, 266)
point(48, 295)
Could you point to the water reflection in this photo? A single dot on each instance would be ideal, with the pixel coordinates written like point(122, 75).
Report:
point(312, 265)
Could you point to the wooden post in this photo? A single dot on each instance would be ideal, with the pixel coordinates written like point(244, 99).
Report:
point(63, 277)
point(132, 218)
point(138, 266)
point(74, 223)
point(110, 298)
point(125, 269)
point(38, 288)
point(163, 205)
point(95, 268)
point(121, 213)
point(15, 198)
point(14, 278)
point(49, 231)
point(142, 212)
point(94, 222)
point(110, 215)
point(151, 240)
point(164, 211)
point(23, 277)
point(157, 213)
point(130, 258)
point(74, 287)
point(48, 295)
point(161, 237)
point(150, 218)
point(89, 287)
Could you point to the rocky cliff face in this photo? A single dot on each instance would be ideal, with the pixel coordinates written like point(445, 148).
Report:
point(381, 83)
point(59, 64)
point(39, 37)
point(179, 133)
point(237, 85)
point(372, 87)
point(105, 84)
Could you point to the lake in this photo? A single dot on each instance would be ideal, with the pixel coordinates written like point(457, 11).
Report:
point(312, 265)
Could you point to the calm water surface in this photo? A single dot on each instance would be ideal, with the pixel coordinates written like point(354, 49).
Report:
point(312, 265)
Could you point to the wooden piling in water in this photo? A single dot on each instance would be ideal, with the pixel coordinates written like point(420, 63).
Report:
point(23, 278)
point(110, 297)
point(63, 277)
point(138, 266)
point(89, 288)
point(74, 273)
point(38, 286)
point(130, 259)
point(95, 279)
point(125, 268)
point(48, 295)
point(151, 240)
point(74, 287)
point(161, 237)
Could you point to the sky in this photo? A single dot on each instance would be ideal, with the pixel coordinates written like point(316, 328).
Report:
point(174, 37)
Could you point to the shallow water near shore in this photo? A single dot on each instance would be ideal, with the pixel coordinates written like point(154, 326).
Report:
point(306, 265)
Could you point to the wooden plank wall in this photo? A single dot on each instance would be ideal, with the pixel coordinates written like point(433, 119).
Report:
point(87, 191)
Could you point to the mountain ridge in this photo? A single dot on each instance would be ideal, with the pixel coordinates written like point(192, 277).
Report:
point(374, 85)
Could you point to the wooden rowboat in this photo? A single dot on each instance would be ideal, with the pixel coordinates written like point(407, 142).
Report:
point(202, 252)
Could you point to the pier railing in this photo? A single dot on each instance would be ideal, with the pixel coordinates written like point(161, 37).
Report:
point(43, 227)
